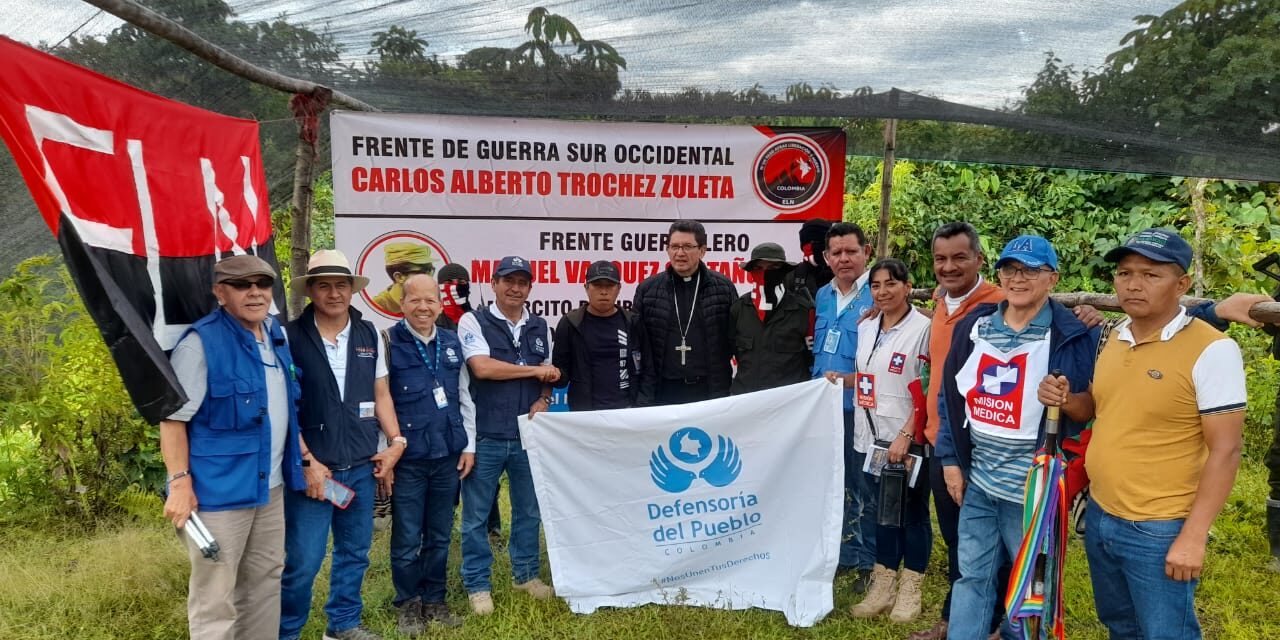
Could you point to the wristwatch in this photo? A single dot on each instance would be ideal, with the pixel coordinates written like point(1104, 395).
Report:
point(401, 440)
point(546, 399)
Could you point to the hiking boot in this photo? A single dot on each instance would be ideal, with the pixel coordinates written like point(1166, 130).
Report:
point(438, 612)
point(937, 632)
point(409, 617)
point(537, 589)
point(880, 595)
point(861, 580)
point(481, 603)
point(358, 632)
point(1273, 533)
point(907, 607)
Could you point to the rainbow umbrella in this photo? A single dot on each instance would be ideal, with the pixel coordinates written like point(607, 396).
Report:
point(1034, 598)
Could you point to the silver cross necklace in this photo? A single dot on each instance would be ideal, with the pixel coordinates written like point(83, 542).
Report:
point(684, 347)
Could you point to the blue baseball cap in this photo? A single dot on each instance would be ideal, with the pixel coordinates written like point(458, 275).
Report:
point(513, 264)
point(1161, 245)
point(1033, 251)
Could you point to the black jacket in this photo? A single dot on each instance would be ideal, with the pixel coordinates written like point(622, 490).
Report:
point(569, 354)
point(654, 306)
point(775, 352)
point(809, 278)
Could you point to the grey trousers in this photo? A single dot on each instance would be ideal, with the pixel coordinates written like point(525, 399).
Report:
point(238, 596)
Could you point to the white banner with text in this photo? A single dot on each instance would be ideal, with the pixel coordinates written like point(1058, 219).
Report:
point(729, 503)
point(415, 192)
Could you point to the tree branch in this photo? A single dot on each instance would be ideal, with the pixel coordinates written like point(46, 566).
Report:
point(160, 26)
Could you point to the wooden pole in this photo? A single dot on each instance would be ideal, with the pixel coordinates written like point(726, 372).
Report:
point(1197, 255)
point(1267, 312)
point(886, 187)
point(306, 110)
point(160, 26)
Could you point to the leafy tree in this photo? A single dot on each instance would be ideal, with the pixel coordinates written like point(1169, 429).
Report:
point(1205, 68)
point(401, 53)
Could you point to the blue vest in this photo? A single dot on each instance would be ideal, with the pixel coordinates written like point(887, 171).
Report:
point(331, 424)
point(829, 318)
point(432, 432)
point(230, 434)
point(500, 402)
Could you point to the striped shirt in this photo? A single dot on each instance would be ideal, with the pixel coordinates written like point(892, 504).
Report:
point(1000, 465)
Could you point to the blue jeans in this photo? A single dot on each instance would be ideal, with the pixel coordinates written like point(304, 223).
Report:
point(1134, 598)
point(493, 456)
point(422, 523)
point(990, 533)
point(858, 531)
point(861, 509)
point(307, 524)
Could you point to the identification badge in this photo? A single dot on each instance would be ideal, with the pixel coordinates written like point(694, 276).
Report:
point(832, 341)
point(865, 390)
point(442, 400)
point(366, 409)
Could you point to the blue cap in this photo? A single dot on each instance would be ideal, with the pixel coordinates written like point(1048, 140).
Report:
point(513, 264)
point(1033, 251)
point(1161, 245)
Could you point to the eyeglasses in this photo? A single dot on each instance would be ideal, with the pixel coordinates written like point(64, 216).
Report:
point(1010, 272)
point(684, 248)
point(243, 285)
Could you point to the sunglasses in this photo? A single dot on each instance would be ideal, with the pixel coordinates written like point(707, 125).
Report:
point(243, 285)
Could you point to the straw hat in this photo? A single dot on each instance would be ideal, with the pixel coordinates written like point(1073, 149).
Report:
point(325, 263)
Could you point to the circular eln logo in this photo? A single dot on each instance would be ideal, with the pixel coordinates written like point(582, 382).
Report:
point(790, 172)
point(391, 258)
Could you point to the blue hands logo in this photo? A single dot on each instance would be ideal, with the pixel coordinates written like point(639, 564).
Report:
point(692, 446)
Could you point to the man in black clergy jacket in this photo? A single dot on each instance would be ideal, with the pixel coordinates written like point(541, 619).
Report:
point(684, 318)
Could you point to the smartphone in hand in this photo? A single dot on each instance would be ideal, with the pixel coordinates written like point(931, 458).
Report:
point(337, 493)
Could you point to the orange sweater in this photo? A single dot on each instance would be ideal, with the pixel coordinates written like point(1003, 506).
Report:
point(940, 342)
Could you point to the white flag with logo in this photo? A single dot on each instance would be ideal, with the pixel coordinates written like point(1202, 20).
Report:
point(729, 503)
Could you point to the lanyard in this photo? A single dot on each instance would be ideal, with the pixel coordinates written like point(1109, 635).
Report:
point(881, 333)
point(431, 366)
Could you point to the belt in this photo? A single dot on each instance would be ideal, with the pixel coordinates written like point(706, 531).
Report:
point(689, 381)
point(348, 467)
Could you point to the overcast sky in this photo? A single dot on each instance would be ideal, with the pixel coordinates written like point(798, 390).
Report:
point(980, 53)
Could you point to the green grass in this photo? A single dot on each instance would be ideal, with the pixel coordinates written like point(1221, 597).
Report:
point(128, 580)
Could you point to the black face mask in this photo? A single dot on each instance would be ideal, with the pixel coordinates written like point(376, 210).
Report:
point(772, 279)
point(463, 289)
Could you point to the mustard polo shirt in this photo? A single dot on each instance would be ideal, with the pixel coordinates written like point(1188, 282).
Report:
point(1148, 447)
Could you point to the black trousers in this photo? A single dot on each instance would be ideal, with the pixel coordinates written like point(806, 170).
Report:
point(681, 392)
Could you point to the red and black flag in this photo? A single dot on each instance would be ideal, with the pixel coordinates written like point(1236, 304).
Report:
point(144, 194)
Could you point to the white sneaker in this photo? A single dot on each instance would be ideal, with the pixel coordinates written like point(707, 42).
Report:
point(481, 603)
point(537, 589)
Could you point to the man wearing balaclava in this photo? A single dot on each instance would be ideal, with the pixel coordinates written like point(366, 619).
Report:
point(812, 272)
point(455, 287)
point(770, 326)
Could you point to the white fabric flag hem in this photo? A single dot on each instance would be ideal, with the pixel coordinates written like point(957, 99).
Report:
point(730, 503)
